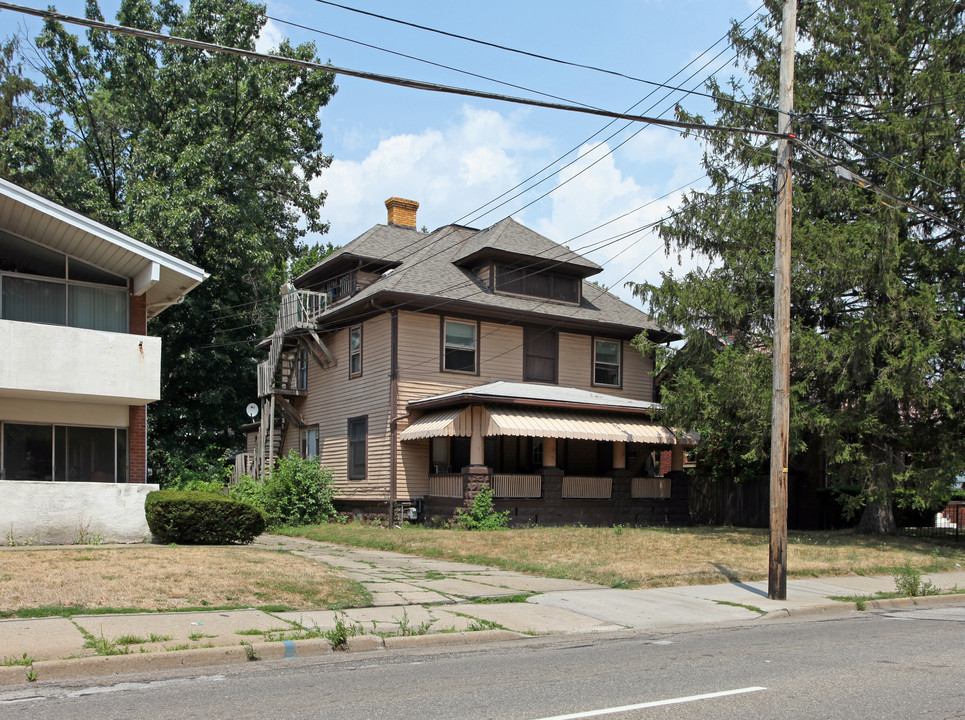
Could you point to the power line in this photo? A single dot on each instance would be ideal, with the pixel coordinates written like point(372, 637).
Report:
point(375, 77)
point(531, 54)
point(422, 60)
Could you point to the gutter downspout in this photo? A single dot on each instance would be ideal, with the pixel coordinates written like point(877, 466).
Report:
point(394, 423)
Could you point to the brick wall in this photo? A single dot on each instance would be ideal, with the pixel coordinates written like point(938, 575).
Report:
point(137, 414)
point(402, 212)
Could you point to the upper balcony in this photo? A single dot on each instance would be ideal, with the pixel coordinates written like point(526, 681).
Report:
point(55, 362)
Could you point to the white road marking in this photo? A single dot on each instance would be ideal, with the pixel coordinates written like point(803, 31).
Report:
point(654, 703)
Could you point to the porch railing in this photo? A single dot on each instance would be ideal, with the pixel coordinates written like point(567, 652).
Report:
point(576, 486)
point(650, 487)
point(517, 486)
point(448, 485)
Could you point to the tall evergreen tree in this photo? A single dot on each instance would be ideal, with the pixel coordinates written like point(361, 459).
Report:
point(207, 156)
point(877, 291)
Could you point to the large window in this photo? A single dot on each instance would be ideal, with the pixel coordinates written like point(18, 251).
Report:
point(63, 453)
point(355, 351)
point(606, 362)
point(357, 435)
point(527, 280)
point(43, 286)
point(459, 346)
point(540, 355)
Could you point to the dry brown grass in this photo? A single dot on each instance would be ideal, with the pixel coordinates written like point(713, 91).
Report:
point(147, 577)
point(654, 557)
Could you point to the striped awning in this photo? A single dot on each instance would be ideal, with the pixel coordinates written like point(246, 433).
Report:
point(440, 423)
point(552, 423)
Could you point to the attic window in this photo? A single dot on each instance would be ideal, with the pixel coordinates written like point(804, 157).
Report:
point(528, 280)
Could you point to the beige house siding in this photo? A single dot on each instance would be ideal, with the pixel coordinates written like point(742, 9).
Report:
point(501, 353)
point(332, 398)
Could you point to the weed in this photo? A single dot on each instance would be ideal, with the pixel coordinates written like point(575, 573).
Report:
point(25, 660)
point(405, 629)
point(31, 674)
point(250, 631)
point(477, 625)
point(340, 634)
point(250, 652)
point(908, 583)
point(184, 646)
point(499, 599)
point(103, 646)
point(752, 608)
point(86, 537)
point(199, 636)
point(154, 638)
point(130, 640)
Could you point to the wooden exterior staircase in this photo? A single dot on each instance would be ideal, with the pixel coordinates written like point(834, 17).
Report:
point(298, 314)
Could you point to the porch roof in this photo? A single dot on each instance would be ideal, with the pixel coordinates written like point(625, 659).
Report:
point(548, 422)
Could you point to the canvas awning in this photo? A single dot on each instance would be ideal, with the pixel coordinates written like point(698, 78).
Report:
point(440, 423)
point(544, 422)
point(551, 423)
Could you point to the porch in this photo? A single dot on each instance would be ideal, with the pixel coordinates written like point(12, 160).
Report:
point(550, 463)
point(552, 497)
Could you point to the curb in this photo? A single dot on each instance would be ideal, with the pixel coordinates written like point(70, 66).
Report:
point(870, 604)
point(106, 665)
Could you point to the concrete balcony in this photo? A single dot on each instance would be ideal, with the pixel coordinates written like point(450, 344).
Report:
point(53, 362)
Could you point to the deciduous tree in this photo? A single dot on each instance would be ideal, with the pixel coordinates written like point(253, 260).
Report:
point(207, 156)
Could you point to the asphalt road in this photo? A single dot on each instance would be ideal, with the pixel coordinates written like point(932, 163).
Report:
point(879, 664)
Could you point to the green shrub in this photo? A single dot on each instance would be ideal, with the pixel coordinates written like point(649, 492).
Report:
point(250, 491)
point(482, 515)
point(298, 492)
point(202, 518)
point(196, 473)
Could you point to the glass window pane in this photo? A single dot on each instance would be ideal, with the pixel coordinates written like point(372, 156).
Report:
point(90, 454)
point(461, 360)
point(34, 300)
point(97, 308)
point(355, 339)
point(607, 352)
point(23, 256)
point(460, 334)
point(122, 455)
point(60, 453)
point(77, 270)
point(27, 452)
point(607, 375)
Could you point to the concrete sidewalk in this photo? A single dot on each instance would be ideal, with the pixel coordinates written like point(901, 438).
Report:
point(416, 601)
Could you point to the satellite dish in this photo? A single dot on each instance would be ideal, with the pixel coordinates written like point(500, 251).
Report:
point(252, 410)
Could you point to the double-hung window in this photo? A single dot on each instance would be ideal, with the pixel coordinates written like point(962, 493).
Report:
point(540, 355)
point(357, 434)
point(606, 362)
point(460, 346)
point(355, 351)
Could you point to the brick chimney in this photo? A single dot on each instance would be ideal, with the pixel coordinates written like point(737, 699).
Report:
point(402, 212)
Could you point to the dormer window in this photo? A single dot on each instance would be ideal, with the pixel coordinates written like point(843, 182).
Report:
point(526, 279)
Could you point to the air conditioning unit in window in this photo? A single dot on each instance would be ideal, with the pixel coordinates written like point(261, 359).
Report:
point(439, 469)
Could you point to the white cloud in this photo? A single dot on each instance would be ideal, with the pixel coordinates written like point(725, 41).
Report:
point(269, 38)
point(603, 193)
point(458, 168)
point(449, 171)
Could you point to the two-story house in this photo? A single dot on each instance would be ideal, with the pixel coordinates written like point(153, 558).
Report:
point(418, 366)
point(77, 370)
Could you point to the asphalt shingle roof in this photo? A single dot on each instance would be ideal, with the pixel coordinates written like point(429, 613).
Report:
point(428, 269)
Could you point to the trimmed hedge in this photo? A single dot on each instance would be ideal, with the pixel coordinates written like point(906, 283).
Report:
point(191, 517)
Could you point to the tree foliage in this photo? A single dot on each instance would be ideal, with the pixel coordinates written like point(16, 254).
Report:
point(207, 156)
point(877, 298)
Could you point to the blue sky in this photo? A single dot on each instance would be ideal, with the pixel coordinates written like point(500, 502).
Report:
point(456, 155)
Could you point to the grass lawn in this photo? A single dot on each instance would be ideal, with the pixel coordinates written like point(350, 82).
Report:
point(652, 557)
point(37, 582)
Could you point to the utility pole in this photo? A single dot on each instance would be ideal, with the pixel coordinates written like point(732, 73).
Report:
point(780, 412)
